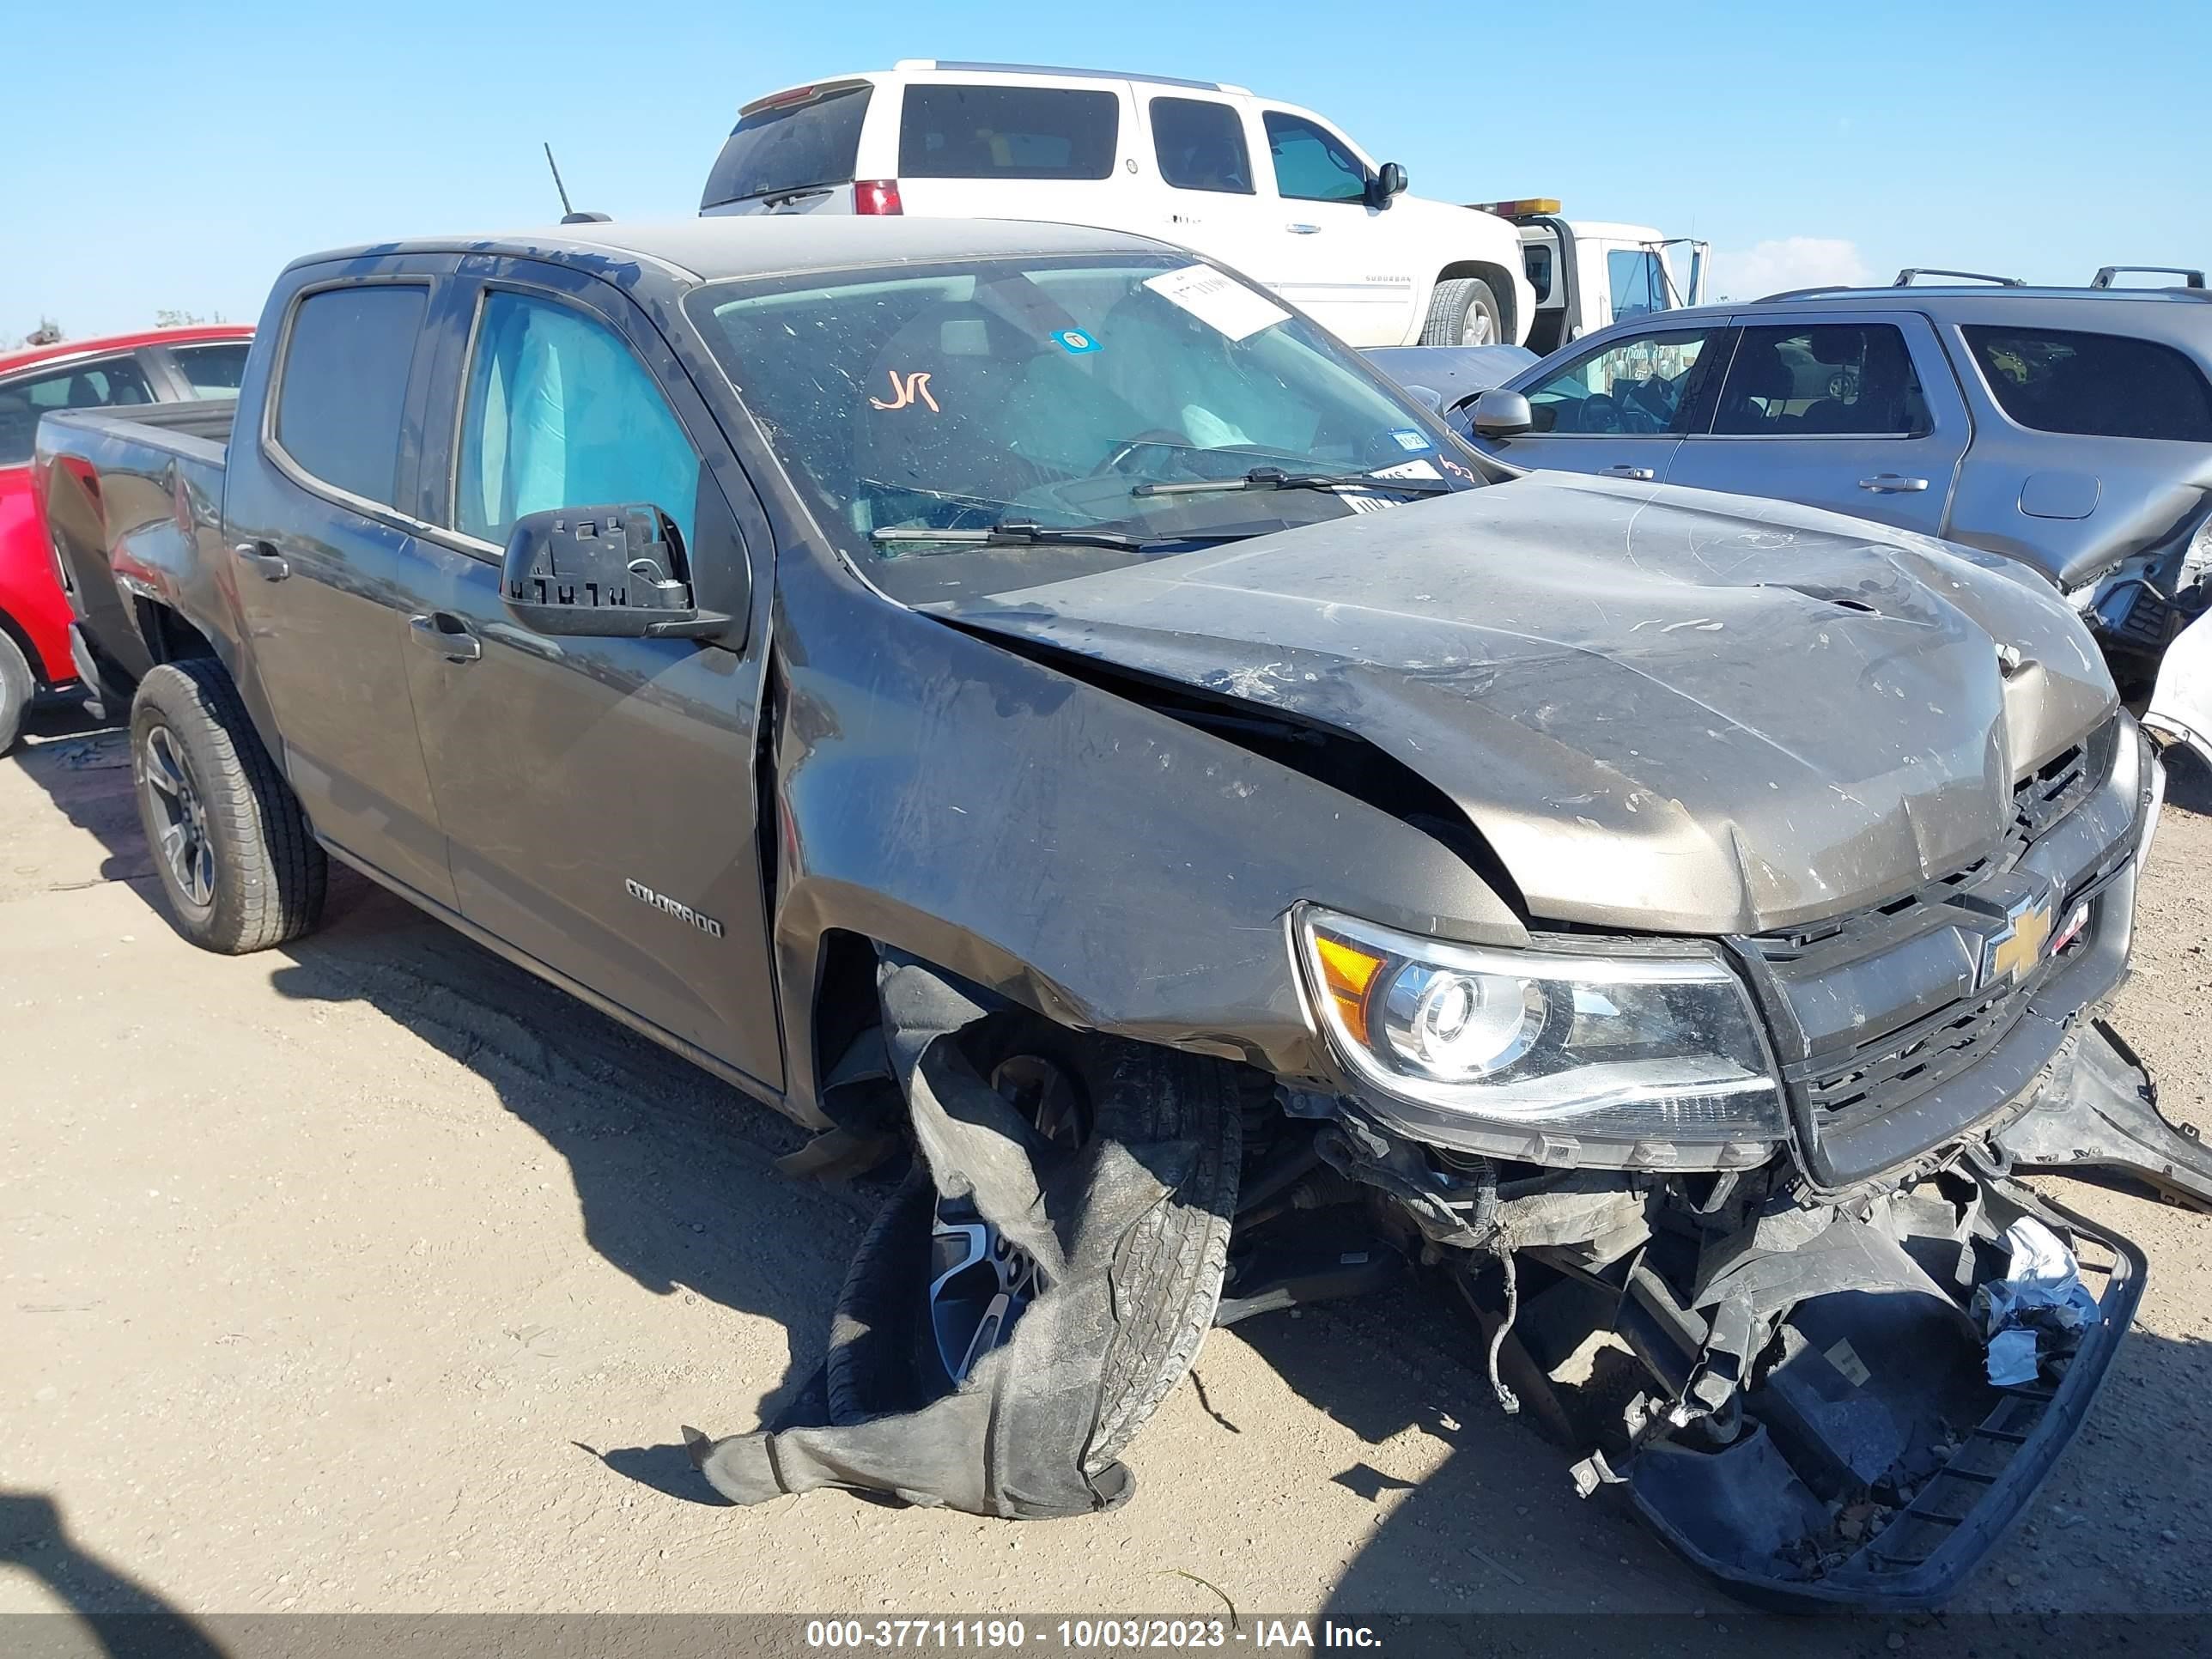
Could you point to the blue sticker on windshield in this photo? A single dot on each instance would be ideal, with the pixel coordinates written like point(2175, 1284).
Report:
point(1075, 341)
point(1409, 438)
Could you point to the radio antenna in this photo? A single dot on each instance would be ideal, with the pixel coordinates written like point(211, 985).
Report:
point(565, 209)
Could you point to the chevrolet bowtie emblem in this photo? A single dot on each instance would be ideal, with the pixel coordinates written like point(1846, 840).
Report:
point(2011, 956)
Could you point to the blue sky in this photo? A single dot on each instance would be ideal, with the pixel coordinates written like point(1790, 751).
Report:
point(162, 156)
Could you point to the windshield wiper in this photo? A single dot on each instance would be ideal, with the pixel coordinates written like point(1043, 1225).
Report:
point(1273, 477)
point(1022, 533)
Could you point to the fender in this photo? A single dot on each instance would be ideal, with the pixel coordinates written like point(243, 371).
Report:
point(1096, 860)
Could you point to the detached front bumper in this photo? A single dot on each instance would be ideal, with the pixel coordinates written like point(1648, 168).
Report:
point(1880, 1392)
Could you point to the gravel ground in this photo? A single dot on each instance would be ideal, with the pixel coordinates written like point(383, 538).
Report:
point(367, 1273)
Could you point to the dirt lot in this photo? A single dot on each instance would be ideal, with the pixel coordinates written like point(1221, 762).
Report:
point(367, 1273)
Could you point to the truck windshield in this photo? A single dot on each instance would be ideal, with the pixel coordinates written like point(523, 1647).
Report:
point(1068, 394)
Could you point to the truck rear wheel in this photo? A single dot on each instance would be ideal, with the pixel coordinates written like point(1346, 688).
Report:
point(1463, 311)
point(233, 850)
point(16, 684)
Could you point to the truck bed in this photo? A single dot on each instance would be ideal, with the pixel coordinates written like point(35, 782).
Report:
point(207, 419)
point(134, 489)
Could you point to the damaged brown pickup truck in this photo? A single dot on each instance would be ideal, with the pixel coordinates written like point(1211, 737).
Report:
point(999, 694)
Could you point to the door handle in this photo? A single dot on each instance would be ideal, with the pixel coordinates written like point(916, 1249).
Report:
point(1893, 484)
point(1301, 230)
point(446, 635)
point(1641, 474)
point(265, 559)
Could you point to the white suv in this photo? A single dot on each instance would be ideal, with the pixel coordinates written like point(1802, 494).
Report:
point(1272, 190)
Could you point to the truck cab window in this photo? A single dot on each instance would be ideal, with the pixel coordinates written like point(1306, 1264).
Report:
point(1311, 164)
point(1201, 146)
point(1638, 281)
point(561, 413)
point(1636, 387)
point(343, 385)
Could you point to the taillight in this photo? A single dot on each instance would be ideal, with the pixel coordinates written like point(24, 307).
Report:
point(877, 196)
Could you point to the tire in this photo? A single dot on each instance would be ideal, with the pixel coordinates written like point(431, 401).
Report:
point(16, 684)
point(1461, 306)
point(1167, 1272)
point(232, 848)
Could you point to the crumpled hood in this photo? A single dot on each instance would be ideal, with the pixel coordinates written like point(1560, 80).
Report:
point(1664, 708)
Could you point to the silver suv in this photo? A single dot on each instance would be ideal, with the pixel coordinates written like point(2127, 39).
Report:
point(2071, 429)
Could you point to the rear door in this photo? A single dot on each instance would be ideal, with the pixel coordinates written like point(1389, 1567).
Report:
point(577, 779)
point(1049, 147)
point(1620, 406)
point(1203, 178)
point(1854, 413)
point(325, 565)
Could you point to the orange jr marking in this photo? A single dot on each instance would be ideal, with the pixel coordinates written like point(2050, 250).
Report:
point(904, 390)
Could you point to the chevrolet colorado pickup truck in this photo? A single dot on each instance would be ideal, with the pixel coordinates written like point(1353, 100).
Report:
point(1023, 701)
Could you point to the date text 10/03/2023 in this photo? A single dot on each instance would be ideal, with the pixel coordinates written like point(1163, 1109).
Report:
point(1085, 1634)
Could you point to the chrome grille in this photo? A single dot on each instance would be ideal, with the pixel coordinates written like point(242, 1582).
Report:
point(1873, 1009)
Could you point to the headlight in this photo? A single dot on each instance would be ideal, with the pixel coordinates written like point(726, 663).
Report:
point(1627, 1048)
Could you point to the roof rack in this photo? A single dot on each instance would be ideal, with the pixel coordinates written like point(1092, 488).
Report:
point(1904, 280)
point(2188, 278)
point(1906, 277)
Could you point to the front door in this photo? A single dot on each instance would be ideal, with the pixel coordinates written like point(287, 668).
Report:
point(1618, 408)
point(326, 567)
point(1857, 414)
point(583, 781)
point(1331, 254)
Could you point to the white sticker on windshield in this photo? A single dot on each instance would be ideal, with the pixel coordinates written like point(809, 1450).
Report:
point(1217, 300)
point(1421, 469)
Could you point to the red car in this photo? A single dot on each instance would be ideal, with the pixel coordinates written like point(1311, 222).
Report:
point(161, 366)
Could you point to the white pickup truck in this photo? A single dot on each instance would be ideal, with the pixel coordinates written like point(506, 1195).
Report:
point(1277, 192)
point(1589, 273)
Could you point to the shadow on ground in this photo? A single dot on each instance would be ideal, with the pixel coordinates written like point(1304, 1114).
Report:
point(674, 1171)
point(123, 1615)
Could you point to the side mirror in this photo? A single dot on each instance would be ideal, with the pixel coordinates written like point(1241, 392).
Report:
point(604, 571)
point(1390, 180)
point(1502, 414)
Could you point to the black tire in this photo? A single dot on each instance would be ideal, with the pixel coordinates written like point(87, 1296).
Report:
point(251, 875)
point(1167, 1272)
point(16, 684)
point(1458, 305)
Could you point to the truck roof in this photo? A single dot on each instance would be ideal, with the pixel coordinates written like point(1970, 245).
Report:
point(688, 251)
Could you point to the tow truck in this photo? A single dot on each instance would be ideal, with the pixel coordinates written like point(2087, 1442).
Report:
point(1590, 272)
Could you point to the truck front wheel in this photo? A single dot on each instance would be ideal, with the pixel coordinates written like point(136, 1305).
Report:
point(1166, 1274)
point(1462, 311)
point(232, 848)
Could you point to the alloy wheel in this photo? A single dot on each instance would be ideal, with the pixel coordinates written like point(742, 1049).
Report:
point(179, 816)
point(979, 1281)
